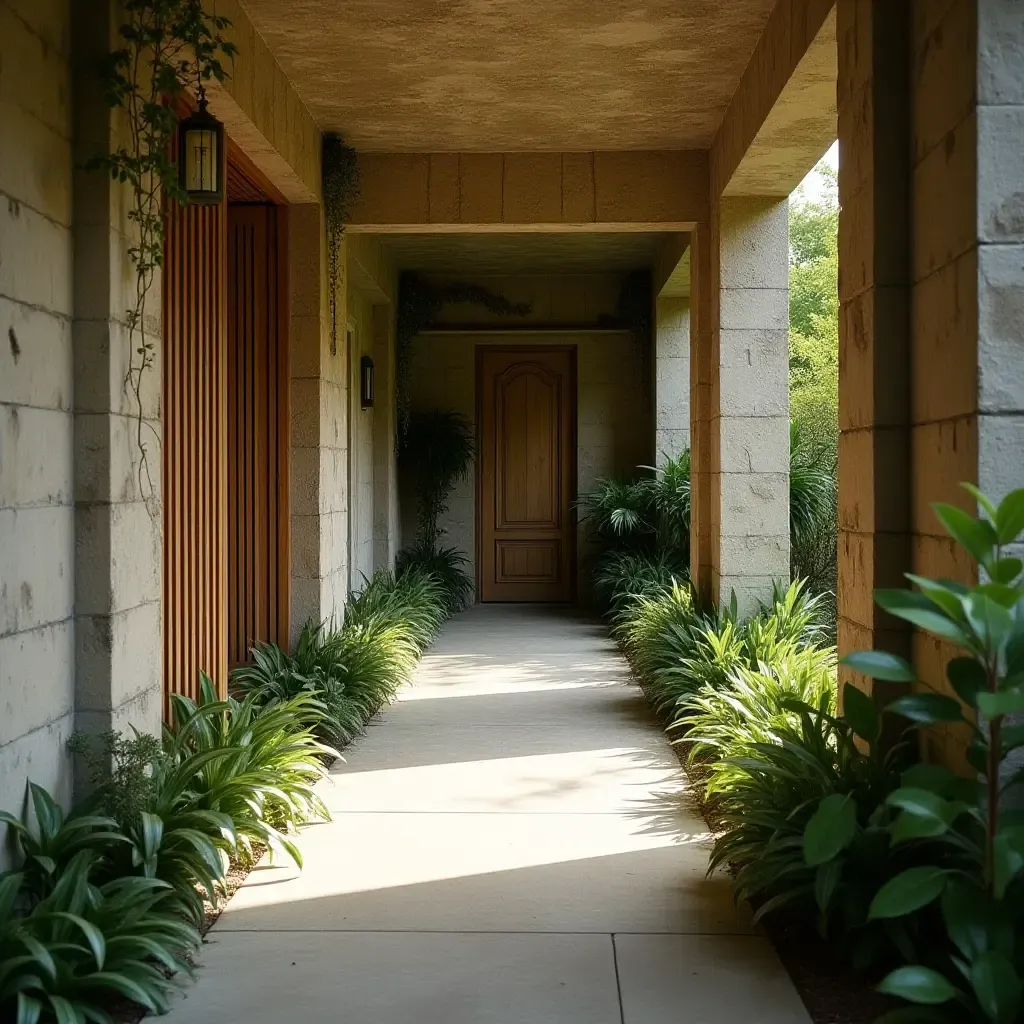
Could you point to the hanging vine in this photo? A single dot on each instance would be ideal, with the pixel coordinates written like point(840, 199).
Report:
point(419, 303)
point(340, 173)
point(168, 47)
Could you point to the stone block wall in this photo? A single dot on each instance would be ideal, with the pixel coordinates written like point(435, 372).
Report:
point(37, 552)
point(671, 377)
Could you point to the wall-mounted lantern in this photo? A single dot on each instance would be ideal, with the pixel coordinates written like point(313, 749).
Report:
point(201, 155)
point(366, 382)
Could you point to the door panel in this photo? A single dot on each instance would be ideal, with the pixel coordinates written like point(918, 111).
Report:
point(526, 473)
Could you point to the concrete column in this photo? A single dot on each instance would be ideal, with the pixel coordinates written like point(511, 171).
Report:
point(703, 361)
point(671, 377)
point(749, 424)
point(118, 551)
point(385, 469)
point(319, 432)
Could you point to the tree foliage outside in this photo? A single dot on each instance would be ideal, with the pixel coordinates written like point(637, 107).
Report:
point(814, 311)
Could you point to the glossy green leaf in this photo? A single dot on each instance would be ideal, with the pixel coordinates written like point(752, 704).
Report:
point(920, 612)
point(860, 713)
point(826, 880)
point(918, 985)
point(908, 891)
point(997, 987)
point(977, 536)
point(969, 920)
point(1008, 857)
point(927, 708)
point(1006, 570)
point(830, 829)
point(881, 665)
point(1009, 518)
point(1007, 702)
point(967, 677)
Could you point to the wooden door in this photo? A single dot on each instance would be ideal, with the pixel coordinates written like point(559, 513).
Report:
point(258, 382)
point(526, 473)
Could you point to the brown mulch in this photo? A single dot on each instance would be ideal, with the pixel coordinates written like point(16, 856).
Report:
point(832, 993)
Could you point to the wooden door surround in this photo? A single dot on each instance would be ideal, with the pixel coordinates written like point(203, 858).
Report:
point(526, 548)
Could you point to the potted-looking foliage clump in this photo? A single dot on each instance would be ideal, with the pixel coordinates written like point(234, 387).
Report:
point(437, 453)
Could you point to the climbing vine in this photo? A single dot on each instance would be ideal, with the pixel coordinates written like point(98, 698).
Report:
point(167, 47)
point(419, 303)
point(340, 174)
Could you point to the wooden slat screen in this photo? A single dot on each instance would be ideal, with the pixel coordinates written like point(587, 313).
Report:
point(257, 500)
point(194, 448)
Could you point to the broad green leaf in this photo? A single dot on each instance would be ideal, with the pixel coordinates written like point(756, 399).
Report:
point(927, 708)
point(997, 987)
point(1008, 857)
point(924, 803)
point(1006, 570)
point(933, 777)
point(830, 829)
point(977, 536)
point(30, 1011)
point(1007, 702)
point(880, 665)
point(920, 612)
point(968, 918)
point(982, 499)
point(860, 713)
point(967, 677)
point(918, 985)
point(826, 879)
point(908, 891)
point(1009, 518)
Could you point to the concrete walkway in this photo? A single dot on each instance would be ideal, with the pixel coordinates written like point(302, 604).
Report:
point(508, 847)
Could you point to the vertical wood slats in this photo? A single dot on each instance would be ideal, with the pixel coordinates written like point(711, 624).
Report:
point(258, 380)
point(195, 591)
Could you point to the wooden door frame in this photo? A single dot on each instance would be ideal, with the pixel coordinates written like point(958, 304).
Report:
point(478, 536)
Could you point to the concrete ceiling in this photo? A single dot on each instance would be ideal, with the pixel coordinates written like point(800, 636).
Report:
point(525, 252)
point(514, 75)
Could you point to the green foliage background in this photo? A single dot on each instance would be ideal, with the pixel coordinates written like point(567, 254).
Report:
point(814, 311)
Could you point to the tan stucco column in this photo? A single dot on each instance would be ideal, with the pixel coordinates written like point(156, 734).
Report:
point(742, 477)
point(874, 385)
point(118, 516)
point(385, 467)
point(671, 377)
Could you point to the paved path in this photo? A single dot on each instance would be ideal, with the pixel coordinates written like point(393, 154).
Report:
point(508, 847)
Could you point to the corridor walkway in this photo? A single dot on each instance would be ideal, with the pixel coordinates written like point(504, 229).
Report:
point(508, 847)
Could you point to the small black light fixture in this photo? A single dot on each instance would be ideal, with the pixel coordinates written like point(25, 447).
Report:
point(201, 155)
point(366, 382)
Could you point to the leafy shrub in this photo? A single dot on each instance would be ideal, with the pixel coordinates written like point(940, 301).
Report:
point(437, 451)
point(85, 943)
point(977, 973)
point(414, 600)
point(804, 819)
point(45, 852)
point(445, 565)
point(621, 577)
point(813, 512)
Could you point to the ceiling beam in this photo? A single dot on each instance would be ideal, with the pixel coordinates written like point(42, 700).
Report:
point(607, 191)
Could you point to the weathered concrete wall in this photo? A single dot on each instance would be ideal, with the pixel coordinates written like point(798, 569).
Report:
point(671, 378)
point(386, 526)
point(360, 444)
point(614, 425)
point(37, 557)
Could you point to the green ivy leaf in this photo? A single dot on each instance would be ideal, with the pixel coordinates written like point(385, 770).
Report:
point(998, 987)
point(927, 708)
point(908, 891)
point(918, 985)
point(880, 665)
point(830, 829)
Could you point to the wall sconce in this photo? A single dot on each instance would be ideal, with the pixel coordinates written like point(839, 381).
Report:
point(366, 382)
point(201, 155)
